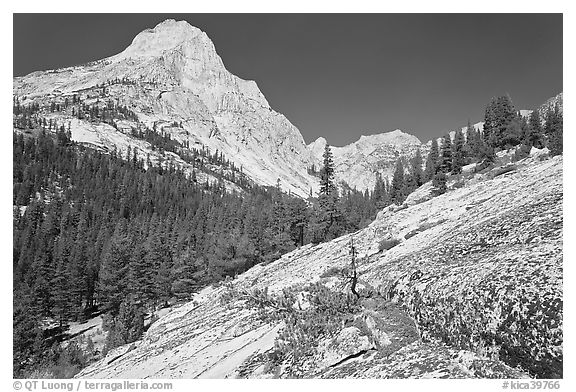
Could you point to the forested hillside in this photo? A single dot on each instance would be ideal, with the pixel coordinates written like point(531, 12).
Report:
point(96, 232)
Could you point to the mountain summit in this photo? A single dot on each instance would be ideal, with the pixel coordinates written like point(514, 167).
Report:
point(165, 36)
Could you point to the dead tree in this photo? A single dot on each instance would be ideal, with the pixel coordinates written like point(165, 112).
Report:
point(353, 277)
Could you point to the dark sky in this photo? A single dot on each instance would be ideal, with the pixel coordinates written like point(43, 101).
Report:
point(342, 75)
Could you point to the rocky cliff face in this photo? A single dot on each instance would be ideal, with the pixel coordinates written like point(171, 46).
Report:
point(466, 284)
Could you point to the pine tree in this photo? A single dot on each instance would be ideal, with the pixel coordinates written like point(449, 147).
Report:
point(126, 327)
point(446, 157)
point(25, 329)
point(497, 117)
point(78, 265)
point(380, 194)
point(410, 183)
point(114, 268)
point(281, 241)
point(473, 143)
point(486, 157)
point(43, 271)
point(327, 219)
point(416, 169)
point(397, 188)
point(184, 283)
point(296, 219)
point(513, 132)
point(534, 136)
point(327, 174)
point(160, 256)
point(458, 153)
point(61, 292)
point(553, 128)
point(432, 161)
point(140, 278)
point(439, 183)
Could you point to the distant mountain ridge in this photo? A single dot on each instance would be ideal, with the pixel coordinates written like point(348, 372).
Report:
point(358, 163)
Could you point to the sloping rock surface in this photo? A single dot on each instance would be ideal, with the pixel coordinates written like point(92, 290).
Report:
point(476, 292)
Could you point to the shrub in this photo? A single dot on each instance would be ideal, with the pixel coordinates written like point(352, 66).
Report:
point(59, 362)
point(387, 243)
point(412, 233)
point(90, 345)
point(332, 271)
point(303, 329)
point(423, 227)
point(70, 361)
